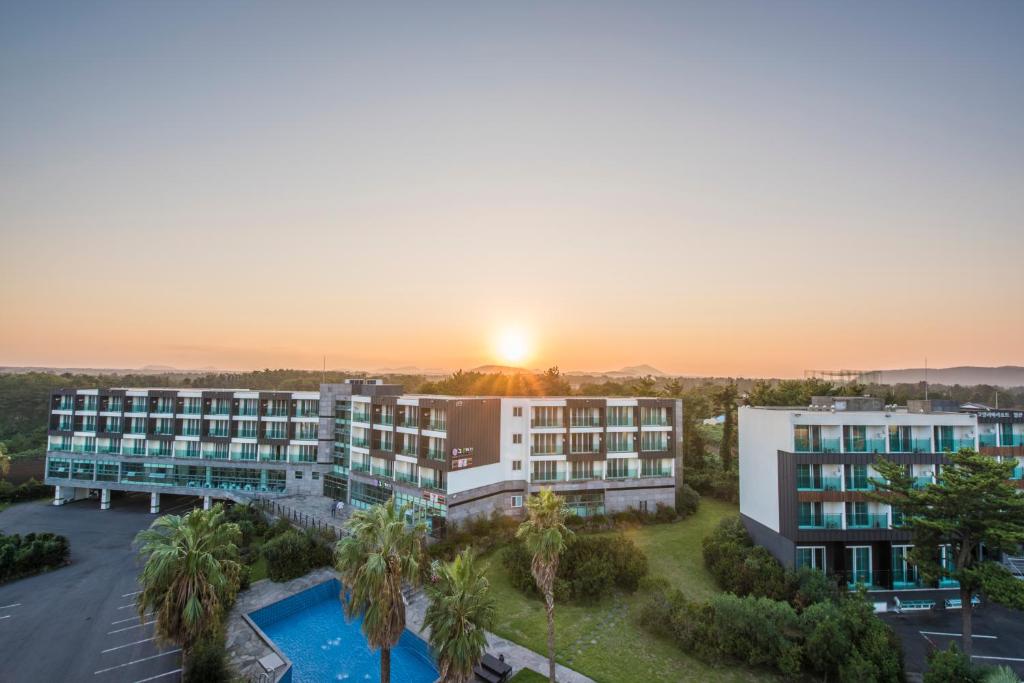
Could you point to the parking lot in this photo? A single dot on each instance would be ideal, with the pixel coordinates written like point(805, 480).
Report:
point(79, 623)
point(998, 635)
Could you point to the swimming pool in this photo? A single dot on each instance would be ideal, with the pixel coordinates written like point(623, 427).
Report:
point(310, 628)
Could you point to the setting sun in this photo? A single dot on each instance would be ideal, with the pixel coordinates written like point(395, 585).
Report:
point(513, 346)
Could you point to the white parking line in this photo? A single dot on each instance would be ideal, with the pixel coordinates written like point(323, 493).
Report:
point(128, 595)
point(111, 649)
point(129, 628)
point(1005, 659)
point(953, 635)
point(136, 661)
point(127, 606)
point(17, 604)
point(6, 616)
point(153, 678)
point(121, 621)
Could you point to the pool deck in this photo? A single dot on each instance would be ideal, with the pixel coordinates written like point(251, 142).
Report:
point(246, 647)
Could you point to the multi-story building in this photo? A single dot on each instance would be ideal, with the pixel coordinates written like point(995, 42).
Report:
point(805, 476)
point(364, 442)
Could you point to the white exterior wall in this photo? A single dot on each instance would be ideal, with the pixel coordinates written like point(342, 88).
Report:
point(762, 433)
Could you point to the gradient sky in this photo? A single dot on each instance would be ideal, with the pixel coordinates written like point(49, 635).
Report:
point(715, 188)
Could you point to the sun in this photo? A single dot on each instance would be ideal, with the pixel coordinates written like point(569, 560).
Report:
point(513, 346)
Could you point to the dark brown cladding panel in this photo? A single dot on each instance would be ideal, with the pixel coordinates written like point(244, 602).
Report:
point(476, 424)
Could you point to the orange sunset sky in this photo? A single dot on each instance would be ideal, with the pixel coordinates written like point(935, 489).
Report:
point(732, 192)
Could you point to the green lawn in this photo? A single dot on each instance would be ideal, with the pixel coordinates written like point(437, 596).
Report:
point(604, 641)
point(528, 676)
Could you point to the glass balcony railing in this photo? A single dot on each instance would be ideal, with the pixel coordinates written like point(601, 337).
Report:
point(436, 454)
point(816, 446)
point(628, 473)
point(621, 422)
point(826, 520)
point(386, 420)
point(953, 445)
point(358, 466)
point(542, 422)
point(218, 412)
point(819, 484)
point(192, 410)
point(134, 452)
point(405, 477)
point(585, 421)
point(655, 422)
point(247, 412)
point(361, 417)
point(409, 424)
point(408, 450)
point(988, 440)
point(137, 409)
point(1011, 439)
point(306, 436)
point(108, 449)
point(307, 412)
point(1018, 473)
point(186, 453)
point(865, 446)
point(548, 476)
point(860, 485)
point(869, 520)
point(438, 425)
point(361, 443)
point(582, 476)
point(435, 484)
point(897, 445)
point(382, 472)
point(663, 472)
point(546, 450)
point(921, 482)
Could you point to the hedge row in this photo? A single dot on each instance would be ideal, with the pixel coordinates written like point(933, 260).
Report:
point(31, 554)
point(29, 490)
point(841, 640)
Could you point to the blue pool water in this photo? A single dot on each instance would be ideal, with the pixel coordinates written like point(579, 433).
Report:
point(310, 628)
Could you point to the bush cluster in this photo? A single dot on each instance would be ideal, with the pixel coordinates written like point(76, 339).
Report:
point(742, 568)
point(715, 482)
point(294, 553)
point(28, 490)
point(207, 662)
point(841, 640)
point(590, 567)
point(31, 554)
point(482, 532)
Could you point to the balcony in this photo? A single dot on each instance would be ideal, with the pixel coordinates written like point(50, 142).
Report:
point(408, 450)
point(108, 450)
point(906, 578)
point(306, 436)
point(437, 425)
point(436, 454)
point(135, 452)
point(222, 433)
point(655, 422)
point(246, 434)
point(545, 450)
point(621, 422)
point(663, 472)
point(922, 482)
point(385, 421)
point(382, 472)
point(164, 431)
point(548, 476)
point(819, 484)
point(435, 484)
point(361, 417)
point(816, 446)
point(186, 453)
point(192, 410)
point(307, 412)
point(870, 520)
point(136, 430)
point(581, 476)
point(543, 422)
point(410, 424)
point(827, 520)
point(361, 443)
point(1011, 440)
point(1018, 473)
point(247, 412)
point(585, 421)
point(83, 449)
point(358, 466)
point(405, 477)
point(860, 485)
point(219, 411)
point(866, 446)
point(897, 445)
point(627, 474)
point(137, 409)
point(988, 440)
point(953, 445)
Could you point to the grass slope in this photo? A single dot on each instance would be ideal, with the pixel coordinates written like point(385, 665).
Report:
point(604, 640)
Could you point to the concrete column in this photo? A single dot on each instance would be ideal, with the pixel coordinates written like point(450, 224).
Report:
point(207, 502)
point(154, 503)
point(58, 495)
point(104, 499)
point(263, 480)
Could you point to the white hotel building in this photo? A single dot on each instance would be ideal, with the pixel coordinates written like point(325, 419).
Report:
point(362, 442)
point(805, 473)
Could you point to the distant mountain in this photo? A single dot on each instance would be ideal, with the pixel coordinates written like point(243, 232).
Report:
point(1004, 376)
point(637, 371)
point(409, 370)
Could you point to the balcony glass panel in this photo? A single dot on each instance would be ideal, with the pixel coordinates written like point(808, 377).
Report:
point(826, 520)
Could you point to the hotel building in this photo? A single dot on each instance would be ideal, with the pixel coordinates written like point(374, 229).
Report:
point(362, 442)
point(805, 474)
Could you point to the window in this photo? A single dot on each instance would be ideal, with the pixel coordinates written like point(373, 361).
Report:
point(517, 411)
point(811, 556)
point(298, 474)
point(316, 476)
point(517, 501)
point(517, 438)
point(643, 506)
point(517, 465)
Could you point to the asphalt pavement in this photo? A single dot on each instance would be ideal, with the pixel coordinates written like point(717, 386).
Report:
point(79, 622)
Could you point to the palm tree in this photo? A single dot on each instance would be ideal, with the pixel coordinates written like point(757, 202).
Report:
point(379, 553)
point(546, 535)
point(191, 574)
point(461, 610)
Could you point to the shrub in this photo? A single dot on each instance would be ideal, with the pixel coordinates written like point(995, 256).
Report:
point(293, 553)
point(741, 568)
point(952, 666)
point(687, 501)
point(207, 662)
point(482, 532)
point(715, 482)
point(590, 567)
point(28, 490)
point(31, 554)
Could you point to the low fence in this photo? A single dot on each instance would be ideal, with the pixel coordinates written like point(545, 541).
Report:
point(300, 519)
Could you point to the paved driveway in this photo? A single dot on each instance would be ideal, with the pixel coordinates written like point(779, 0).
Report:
point(79, 623)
